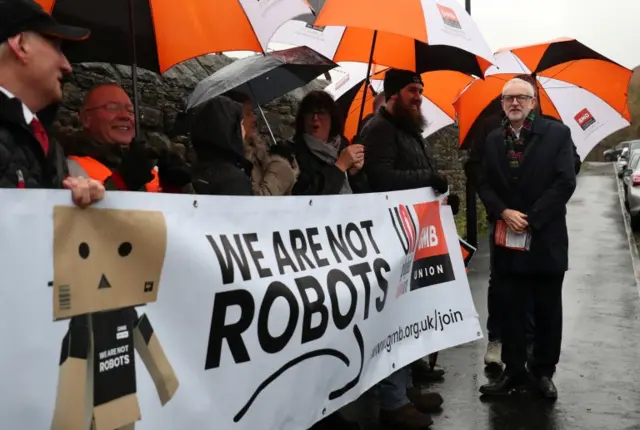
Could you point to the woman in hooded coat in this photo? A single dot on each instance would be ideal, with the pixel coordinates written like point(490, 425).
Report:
point(216, 136)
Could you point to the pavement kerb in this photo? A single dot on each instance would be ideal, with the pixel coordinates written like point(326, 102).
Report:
point(633, 246)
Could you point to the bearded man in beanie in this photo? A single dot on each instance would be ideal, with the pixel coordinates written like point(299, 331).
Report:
point(398, 158)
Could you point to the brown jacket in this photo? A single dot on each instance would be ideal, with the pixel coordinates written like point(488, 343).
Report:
point(272, 173)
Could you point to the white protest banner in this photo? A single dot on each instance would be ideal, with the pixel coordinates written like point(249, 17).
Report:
point(272, 312)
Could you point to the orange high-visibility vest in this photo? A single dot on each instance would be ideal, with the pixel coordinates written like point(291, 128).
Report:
point(98, 171)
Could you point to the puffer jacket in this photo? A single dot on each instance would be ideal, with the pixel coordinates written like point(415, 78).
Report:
point(22, 160)
point(275, 169)
point(395, 158)
point(216, 136)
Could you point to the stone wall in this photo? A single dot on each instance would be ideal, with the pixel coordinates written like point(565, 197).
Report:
point(162, 97)
point(450, 161)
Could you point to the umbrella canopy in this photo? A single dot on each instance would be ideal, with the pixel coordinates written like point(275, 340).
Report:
point(413, 35)
point(168, 32)
point(589, 95)
point(440, 90)
point(264, 77)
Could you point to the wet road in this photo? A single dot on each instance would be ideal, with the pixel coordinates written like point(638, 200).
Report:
point(598, 376)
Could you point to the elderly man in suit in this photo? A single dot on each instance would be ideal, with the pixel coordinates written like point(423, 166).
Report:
point(527, 178)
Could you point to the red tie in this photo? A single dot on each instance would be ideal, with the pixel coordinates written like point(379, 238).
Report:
point(41, 134)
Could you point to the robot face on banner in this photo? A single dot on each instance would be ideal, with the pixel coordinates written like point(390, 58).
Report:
point(106, 259)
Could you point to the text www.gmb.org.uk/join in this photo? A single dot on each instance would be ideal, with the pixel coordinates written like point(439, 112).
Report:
point(436, 322)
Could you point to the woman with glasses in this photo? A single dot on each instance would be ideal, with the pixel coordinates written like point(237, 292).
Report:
point(328, 164)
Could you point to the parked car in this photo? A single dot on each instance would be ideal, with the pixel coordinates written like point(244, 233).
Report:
point(622, 161)
point(633, 145)
point(612, 154)
point(626, 172)
point(631, 181)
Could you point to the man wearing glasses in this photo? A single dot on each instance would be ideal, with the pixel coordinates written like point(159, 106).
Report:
point(527, 178)
point(106, 149)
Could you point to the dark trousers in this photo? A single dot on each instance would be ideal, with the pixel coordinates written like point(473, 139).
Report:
point(495, 311)
point(495, 305)
point(545, 291)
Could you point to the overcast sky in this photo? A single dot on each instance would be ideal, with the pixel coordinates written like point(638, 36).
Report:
point(611, 27)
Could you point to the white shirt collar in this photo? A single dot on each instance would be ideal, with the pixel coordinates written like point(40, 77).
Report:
point(28, 115)
point(517, 131)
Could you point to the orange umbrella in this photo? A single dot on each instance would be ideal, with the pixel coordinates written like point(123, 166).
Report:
point(163, 33)
point(440, 90)
point(407, 34)
point(167, 32)
point(580, 87)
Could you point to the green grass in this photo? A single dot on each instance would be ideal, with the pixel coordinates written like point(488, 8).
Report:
point(461, 220)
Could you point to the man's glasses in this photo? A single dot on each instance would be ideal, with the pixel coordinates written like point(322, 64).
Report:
point(521, 98)
point(114, 108)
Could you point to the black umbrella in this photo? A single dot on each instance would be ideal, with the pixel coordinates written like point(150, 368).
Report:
point(264, 77)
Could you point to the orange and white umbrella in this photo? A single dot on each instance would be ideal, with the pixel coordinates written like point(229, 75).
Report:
point(415, 35)
point(440, 90)
point(576, 85)
point(168, 32)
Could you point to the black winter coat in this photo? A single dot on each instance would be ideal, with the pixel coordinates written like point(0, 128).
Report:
point(318, 178)
point(547, 182)
point(474, 164)
point(395, 159)
point(22, 156)
point(221, 168)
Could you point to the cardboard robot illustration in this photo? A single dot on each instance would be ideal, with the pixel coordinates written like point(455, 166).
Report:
point(106, 262)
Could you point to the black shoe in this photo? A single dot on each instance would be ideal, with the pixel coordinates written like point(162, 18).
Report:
point(422, 373)
point(547, 388)
point(504, 385)
point(335, 421)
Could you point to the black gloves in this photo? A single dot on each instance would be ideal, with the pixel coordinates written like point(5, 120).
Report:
point(136, 165)
point(454, 201)
point(439, 183)
point(173, 170)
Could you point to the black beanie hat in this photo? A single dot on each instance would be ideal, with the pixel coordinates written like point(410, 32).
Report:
point(396, 79)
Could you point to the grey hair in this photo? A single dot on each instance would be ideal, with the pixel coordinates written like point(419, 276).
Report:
point(519, 81)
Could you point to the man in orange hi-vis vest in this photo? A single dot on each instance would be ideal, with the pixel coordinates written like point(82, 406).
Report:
point(106, 150)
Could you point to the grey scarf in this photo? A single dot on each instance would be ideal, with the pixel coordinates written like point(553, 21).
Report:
point(328, 152)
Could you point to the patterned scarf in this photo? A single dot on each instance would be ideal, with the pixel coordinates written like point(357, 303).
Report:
point(515, 145)
point(328, 152)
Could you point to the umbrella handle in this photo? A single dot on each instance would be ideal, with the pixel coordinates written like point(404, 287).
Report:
point(267, 122)
point(368, 83)
point(273, 138)
point(134, 68)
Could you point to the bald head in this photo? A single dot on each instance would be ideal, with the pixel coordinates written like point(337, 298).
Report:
point(522, 83)
point(107, 115)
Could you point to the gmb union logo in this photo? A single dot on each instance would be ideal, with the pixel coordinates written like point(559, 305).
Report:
point(344, 80)
point(427, 261)
point(449, 17)
point(585, 119)
point(317, 28)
